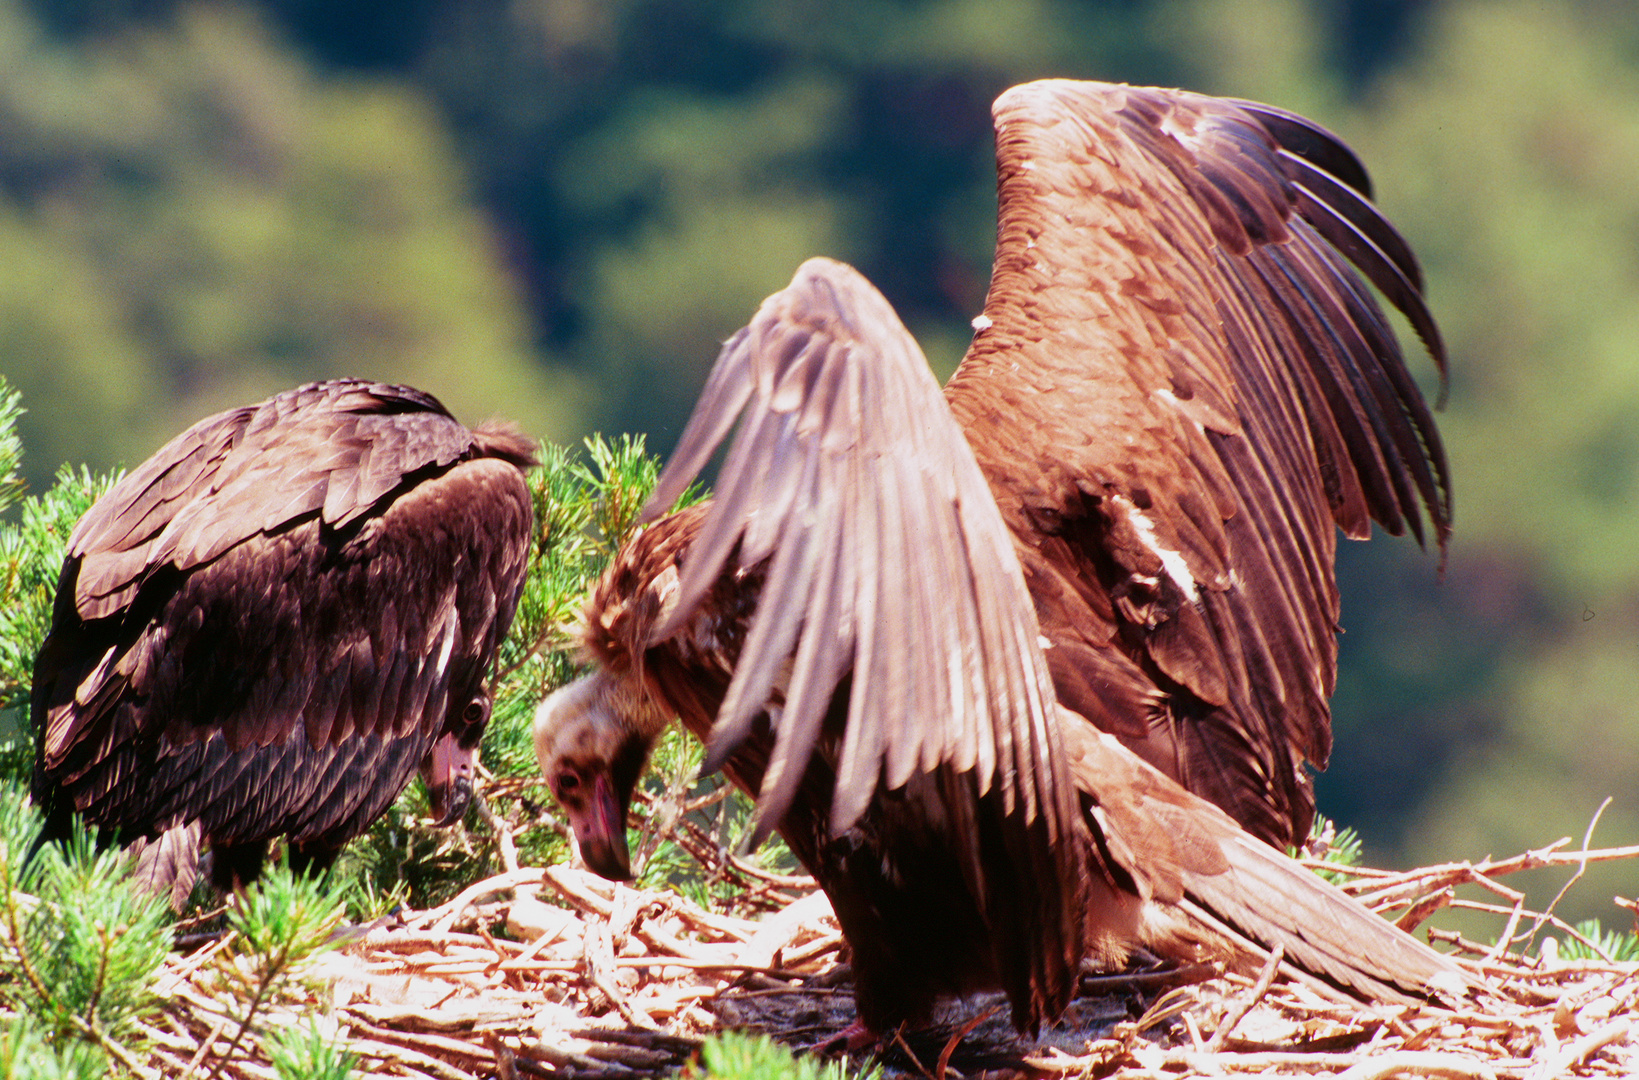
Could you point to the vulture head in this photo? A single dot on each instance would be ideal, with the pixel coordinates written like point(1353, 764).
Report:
point(592, 739)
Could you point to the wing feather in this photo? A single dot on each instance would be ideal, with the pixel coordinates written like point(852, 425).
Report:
point(880, 520)
point(236, 692)
point(893, 651)
point(1183, 391)
point(863, 555)
point(1354, 227)
point(1310, 142)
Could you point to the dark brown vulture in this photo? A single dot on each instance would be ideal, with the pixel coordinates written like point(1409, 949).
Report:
point(267, 627)
point(989, 659)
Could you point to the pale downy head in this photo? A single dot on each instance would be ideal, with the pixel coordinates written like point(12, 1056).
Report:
point(592, 739)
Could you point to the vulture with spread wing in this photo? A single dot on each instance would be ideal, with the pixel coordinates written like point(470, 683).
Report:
point(1029, 672)
point(267, 627)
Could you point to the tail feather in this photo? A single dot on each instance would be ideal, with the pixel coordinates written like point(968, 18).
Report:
point(1270, 899)
point(168, 864)
point(1183, 853)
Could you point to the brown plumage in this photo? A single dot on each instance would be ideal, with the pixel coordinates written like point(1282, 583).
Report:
point(989, 658)
point(268, 626)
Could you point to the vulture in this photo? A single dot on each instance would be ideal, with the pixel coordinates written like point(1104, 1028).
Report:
point(265, 629)
point(1031, 671)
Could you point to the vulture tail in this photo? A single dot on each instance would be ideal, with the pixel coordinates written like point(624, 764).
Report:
point(1186, 857)
point(1264, 899)
point(168, 864)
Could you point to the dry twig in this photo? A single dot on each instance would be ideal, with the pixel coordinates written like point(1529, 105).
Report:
point(620, 991)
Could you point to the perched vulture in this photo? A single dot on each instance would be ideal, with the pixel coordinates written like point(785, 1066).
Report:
point(270, 624)
point(988, 660)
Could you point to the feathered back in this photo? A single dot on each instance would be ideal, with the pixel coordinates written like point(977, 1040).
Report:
point(335, 448)
point(263, 629)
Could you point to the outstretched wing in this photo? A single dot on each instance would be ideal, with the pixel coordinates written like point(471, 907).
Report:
point(885, 559)
point(893, 643)
point(1180, 391)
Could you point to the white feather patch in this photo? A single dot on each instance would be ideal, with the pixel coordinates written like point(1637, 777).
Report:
point(447, 647)
point(1171, 561)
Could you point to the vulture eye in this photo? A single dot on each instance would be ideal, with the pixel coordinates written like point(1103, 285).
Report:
point(568, 783)
point(474, 712)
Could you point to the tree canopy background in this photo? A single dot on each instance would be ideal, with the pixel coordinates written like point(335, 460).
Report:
point(555, 210)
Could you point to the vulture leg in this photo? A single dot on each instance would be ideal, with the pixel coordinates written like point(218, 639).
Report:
point(313, 859)
point(235, 865)
point(851, 1039)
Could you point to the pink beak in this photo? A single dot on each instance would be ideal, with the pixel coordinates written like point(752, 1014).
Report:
point(447, 771)
point(601, 833)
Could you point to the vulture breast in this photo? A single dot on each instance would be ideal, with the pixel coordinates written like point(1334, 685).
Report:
point(265, 629)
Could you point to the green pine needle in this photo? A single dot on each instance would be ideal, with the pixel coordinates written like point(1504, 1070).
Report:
point(308, 1052)
point(1337, 848)
point(11, 445)
point(1617, 945)
point(79, 946)
point(27, 1052)
point(734, 1055)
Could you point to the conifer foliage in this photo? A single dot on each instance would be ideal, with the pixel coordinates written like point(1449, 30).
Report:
point(82, 953)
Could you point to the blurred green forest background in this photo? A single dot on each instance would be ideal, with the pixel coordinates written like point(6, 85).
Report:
point(554, 210)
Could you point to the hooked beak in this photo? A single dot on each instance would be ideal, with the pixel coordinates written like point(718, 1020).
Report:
point(600, 831)
point(447, 771)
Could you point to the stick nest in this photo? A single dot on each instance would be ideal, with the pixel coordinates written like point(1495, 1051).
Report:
point(555, 972)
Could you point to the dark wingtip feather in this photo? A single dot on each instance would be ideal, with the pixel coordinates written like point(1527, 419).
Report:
point(1311, 142)
point(1334, 196)
point(1333, 192)
point(1355, 209)
point(1356, 229)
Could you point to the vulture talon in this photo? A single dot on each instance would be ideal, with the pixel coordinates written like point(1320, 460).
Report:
point(854, 1038)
